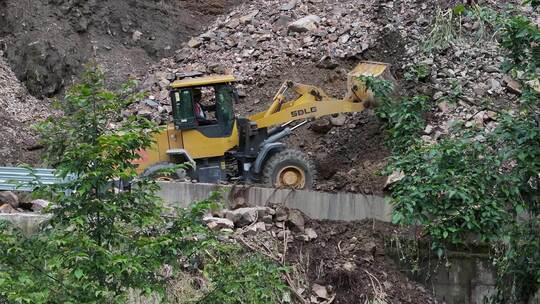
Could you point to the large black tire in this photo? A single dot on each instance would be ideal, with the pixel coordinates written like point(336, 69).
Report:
point(289, 162)
point(154, 172)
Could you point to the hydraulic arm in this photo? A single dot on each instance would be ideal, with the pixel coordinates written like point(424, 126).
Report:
point(251, 144)
point(313, 102)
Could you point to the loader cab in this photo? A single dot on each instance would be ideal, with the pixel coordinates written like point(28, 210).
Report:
point(205, 104)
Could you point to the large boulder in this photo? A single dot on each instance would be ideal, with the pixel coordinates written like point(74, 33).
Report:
point(244, 216)
point(216, 223)
point(39, 204)
point(306, 24)
point(8, 197)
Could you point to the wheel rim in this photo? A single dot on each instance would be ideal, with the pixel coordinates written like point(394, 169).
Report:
point(291, 176)
point(163, 179)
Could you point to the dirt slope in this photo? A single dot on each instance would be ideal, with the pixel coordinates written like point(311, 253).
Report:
point(257, 43)
point(328, 261)
point(18, 111)
point(350, 257)
point(46, 43)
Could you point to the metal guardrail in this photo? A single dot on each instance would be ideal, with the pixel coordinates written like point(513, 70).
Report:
point(24, 179)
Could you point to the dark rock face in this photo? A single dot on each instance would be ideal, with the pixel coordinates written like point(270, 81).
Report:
point(47, 43)
point(42, 66)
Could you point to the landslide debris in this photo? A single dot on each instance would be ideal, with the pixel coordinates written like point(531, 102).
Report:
point(11, 202)
point(44, 45)
point(18, 112)
point(265, 42)
point(328, 261)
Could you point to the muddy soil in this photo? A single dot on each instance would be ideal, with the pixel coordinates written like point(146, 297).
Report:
point(349, 157)
point(350, 256)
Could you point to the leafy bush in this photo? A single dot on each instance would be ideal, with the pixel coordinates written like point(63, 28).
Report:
point(522, 39)
point(447, 191)
point(102, 241)
point(418, 72)
point(473, 185)
point(404, 120)
point(244, 278)
point(519, 263)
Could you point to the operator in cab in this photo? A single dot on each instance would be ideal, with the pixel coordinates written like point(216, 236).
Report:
point(201, 110)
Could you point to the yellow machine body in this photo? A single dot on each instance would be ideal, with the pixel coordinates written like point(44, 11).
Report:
point(312, 102)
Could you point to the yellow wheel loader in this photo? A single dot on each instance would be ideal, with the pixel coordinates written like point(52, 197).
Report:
point(221, 146)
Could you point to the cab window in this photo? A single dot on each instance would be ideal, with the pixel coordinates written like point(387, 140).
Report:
point(183, 113)
point(224, 102)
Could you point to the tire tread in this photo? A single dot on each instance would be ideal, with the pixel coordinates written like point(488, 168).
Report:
point(286, 155)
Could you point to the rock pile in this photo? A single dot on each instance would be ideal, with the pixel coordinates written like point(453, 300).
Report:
point(468, 87)
point(270, 231)
point(328, 262)
point(18, 112)
point(465, 79)
point(278, 221)
point(266, 42)
point(10, 203)
point(260, 39)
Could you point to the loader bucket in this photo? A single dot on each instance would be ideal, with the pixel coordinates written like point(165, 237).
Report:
point(357, 92)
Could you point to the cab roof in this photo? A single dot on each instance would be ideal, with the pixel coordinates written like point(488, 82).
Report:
point(202, 81)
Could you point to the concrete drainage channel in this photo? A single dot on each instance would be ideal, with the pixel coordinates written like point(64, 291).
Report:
point(468, 280)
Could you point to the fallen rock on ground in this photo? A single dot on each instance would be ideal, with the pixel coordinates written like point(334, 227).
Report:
point(339, 120)
point(306, 24)
point(244, 216)
point(340, 260)
point(216, 223)
point(321, 125)
point(39, 204)
point(10, 198)
point(7, 208)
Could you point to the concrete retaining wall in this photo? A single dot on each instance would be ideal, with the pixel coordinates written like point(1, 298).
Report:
point(316, 205)
point(467, 280)
point(470, 279)
point(27, 222)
